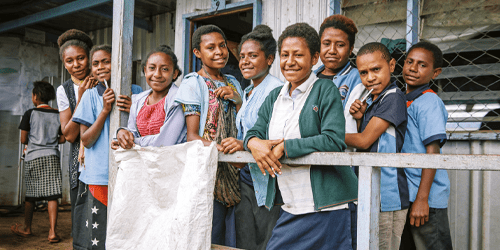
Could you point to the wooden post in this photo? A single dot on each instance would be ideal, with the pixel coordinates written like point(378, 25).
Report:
point(121, 73)
point(368, 207)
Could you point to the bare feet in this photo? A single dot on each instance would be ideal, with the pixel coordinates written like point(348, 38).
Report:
point(20, 231)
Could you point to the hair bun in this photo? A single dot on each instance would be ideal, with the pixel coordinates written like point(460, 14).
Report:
point(74, 34)
point(262, 28)
point(165, 47)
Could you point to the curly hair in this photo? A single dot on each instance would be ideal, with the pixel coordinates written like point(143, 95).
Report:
point(302, 30)
point(436, 52)
point(342, 23)
point(168, 51)
point(105, 47)
point(372, 47)
point(44, 91)
point(264, 36)
point(74, 37)
point(203, 30)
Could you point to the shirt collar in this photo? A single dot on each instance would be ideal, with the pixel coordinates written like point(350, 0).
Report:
point(301, 88)
point(389, 87)
point(416, 93)
point(344, 71)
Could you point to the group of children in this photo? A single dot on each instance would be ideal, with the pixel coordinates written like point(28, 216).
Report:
point(266, 205)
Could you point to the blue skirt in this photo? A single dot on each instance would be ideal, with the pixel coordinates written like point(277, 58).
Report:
point(320, 230)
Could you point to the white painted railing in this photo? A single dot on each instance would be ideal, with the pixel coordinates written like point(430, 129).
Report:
point(369, 177)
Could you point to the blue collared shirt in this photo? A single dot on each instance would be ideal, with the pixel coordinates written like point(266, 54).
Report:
point(390, 106)
point(245, 119)
point(345, 80)
point(427, 117)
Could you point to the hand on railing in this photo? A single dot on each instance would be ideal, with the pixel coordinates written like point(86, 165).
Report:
point(264, 156)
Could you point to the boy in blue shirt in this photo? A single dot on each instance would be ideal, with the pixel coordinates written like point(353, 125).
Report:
point(429, 189)
point(381, 121)
point(91, 205)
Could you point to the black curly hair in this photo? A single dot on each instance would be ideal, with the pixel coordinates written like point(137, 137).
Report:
point(74, 37)
point(372, 47)
point(44, 91)
point(342, 23)
point(105, 47)
point(436, 52)
point(203, 30)
point(264, 36)
point(168, 51)
point(302, 30)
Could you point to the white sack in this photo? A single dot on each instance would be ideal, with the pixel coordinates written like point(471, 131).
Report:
point(163, 197)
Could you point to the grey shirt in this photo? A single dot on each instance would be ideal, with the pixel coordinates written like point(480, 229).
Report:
point(44, 129)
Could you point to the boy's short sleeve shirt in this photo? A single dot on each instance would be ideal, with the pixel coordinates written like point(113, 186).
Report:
point(95, 171)
point(390, 106)
point(427, 117)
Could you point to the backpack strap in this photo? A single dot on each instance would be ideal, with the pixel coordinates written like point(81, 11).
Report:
point(70, 93)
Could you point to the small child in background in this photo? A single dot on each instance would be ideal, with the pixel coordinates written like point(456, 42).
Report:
point(427, 219)
point(381, 121)
point(41, 130)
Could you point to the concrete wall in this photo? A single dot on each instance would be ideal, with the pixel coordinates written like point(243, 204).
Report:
point(21, 64)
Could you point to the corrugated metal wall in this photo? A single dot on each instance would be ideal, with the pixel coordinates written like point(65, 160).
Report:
point(473, 205)
point(144, 41)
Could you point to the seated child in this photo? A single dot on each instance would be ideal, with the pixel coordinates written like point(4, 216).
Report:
point(429, 189)
point(381, 123)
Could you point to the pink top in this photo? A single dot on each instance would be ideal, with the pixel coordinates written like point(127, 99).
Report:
point(151, 118)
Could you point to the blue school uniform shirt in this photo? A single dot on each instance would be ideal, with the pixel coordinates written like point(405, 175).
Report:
point(427, 118)
point(95, 171)
point(345, 80)
point(390, 106)
point(246, 118)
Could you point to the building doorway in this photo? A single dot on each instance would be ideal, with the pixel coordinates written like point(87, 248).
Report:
point(234, 24)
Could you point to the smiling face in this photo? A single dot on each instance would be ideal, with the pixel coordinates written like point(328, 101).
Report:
point(76, 62)
point(296, 60)
point(159, 72)
point(213, 51)
point(253, 62)
point(101, 65)
point(335, 50)
point(375, 72)
point(419, 69)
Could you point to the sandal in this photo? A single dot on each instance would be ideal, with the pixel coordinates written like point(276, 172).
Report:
point(15, 230)
point(54, 240)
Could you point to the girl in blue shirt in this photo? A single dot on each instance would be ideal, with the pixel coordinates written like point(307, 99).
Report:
point(254, 222)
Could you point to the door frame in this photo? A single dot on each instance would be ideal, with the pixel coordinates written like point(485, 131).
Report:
point(188, 21)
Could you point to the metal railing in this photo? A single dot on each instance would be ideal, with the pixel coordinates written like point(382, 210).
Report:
point(369, 177)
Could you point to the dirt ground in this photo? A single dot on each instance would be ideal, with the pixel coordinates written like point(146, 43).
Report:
point(40, 229)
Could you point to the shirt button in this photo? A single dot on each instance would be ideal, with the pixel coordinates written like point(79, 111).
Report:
point(256, 191)
point(253, 180)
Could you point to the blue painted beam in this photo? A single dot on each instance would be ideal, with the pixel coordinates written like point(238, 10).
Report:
point(62, 10)
point(412, 24)
point(335, 7)
point(107, 12)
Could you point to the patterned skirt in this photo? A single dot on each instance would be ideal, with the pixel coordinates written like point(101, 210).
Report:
point(43, 178)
